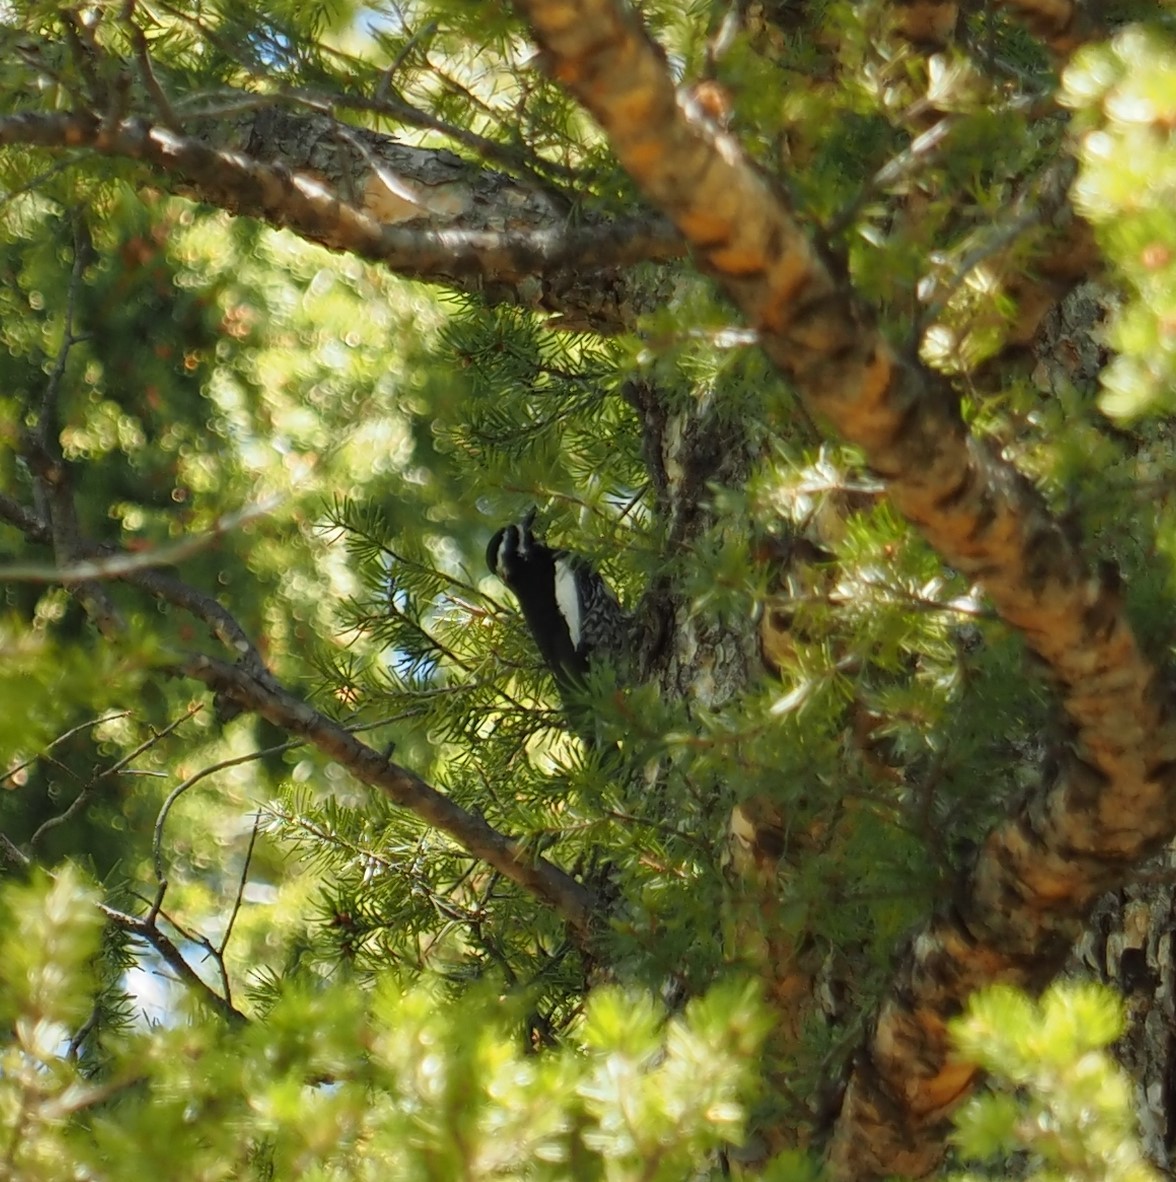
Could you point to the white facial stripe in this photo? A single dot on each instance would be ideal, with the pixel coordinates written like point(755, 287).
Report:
point(567, 598)
point(502, 559)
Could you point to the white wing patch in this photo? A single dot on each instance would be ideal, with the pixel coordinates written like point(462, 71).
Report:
point(567, 598)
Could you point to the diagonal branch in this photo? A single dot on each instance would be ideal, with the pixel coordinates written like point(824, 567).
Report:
point(1110, 802)
point(574, 903)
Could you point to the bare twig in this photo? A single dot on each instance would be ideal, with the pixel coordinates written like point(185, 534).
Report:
point(167, 115)
point(148, 931)
point(121, 564)
point(10, 850)
point(240, 891)
point(88, 789)
point(69, 734)
point(181, 788)
point(150, 742)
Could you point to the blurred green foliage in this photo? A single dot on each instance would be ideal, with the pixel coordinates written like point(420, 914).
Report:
point(1124, 96)
point(344, 1083)
point(1058, 1104)
point(347, 1084)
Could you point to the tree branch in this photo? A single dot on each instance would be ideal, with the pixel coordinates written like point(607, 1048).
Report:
point(251, 686)
point(475, 259)
point(90, 787)
point(1110, 802)
point(574, 903)
point(259, 692)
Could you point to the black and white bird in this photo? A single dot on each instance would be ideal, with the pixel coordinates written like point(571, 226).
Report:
point(571, 612)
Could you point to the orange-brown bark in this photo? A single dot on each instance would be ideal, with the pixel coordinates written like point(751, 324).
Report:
point(1062, 24)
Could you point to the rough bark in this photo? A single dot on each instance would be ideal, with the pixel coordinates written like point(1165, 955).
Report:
point(1128, 943)
point(1128, 939)
point(689, 451)
point(435, 216)
point(1108, 803)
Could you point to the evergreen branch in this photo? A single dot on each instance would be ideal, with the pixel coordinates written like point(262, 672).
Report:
point(325, 834)
point(385, 102)
point(292, 200)
point(572, 901)
point(1069, 256)
point(253, 688)
point(1109, 804)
